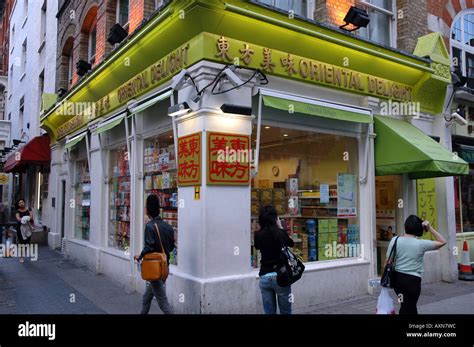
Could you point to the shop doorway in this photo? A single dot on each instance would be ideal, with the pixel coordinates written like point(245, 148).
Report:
point(389, 214)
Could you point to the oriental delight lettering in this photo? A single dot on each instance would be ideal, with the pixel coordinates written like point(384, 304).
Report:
point(296, 67)
point(189, 160)
point(164, 68)
point(227, 172)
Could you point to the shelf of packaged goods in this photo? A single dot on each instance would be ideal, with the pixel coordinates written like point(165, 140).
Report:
point(315, 197)
point(300, 216)
point(117, 177)
point(320, 207)
point(151, 173)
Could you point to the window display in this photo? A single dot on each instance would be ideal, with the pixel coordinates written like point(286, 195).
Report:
point(161, 179)
point(83, 201)
point(119, 213)
point(312, 181)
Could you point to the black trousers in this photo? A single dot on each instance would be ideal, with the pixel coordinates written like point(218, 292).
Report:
point(409, 287)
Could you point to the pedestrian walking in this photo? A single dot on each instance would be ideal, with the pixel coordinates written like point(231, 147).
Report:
point(25, 224)
point(409, 252)
point(153, 244)
point(270, 239)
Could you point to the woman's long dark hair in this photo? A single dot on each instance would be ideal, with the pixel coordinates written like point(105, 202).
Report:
point(268, 220)
point(17, 203)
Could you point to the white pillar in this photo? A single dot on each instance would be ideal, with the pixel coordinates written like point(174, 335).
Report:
point(214, 273)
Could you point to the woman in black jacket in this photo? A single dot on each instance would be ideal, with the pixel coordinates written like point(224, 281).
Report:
point(269, 240)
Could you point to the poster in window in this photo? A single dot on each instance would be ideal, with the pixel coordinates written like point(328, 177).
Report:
point(346, 196)
point(228, 159)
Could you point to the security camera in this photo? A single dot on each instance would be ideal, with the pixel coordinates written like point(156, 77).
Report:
point(179, 80)
point(458, 119)
point(232, 77)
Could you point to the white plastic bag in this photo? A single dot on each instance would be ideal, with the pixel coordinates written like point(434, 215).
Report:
point(385, 303)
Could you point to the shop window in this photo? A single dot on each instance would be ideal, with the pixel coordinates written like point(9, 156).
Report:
point(381, 14)
point(82, 201)
point(466, 193)
point(312, 180)
point(161, 179)
point(119, 212)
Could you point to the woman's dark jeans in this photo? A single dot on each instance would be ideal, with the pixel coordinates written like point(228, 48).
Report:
point(409, 287)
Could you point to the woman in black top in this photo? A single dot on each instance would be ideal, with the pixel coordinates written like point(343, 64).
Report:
point(22, 211)
point(269, 240)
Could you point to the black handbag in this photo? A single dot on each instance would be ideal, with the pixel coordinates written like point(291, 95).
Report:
point(388, 279)
point(291, 267)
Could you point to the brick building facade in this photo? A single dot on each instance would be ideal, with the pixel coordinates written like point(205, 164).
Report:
point(77, 23)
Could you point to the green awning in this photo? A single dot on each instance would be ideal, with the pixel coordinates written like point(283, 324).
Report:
point(143, 106)
point(466, 153)
point(109, 124)
point(401, 148)
point(316, 108)
point(70, 143)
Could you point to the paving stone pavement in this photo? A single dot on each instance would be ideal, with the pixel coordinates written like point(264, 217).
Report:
point(436, 298)
point(45, 286)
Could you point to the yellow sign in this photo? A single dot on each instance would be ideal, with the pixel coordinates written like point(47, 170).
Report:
point(3, 178)
point(426, 191)
point(230, 51)
point(290, 65)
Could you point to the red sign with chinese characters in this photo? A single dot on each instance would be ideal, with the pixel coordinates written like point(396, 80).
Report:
point(189, 160)
point(228, 159)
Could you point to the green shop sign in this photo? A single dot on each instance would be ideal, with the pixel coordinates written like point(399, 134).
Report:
point(289, 65)
point(226, 50)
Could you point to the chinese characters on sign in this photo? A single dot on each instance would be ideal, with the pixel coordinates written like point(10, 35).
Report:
point(189, 160)
point(228, 159)
point(426, 191)
point(286, 64)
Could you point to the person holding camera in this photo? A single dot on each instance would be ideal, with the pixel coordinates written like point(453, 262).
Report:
point(409, 261)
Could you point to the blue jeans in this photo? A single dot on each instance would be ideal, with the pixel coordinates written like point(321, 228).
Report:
point(271, 292)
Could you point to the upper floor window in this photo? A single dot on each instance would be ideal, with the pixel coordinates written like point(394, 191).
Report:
point(122, 12)
point(299, 7)
point(462, 45)
point(23, 56)
point(70, 68)
point(382, 21)
point(158, 4)
point(92, 43)
point(43, 21)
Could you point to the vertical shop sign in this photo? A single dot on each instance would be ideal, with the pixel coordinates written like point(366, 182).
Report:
point(426, 202)
point(189, 160)
point(228, 159)
point(346, 196)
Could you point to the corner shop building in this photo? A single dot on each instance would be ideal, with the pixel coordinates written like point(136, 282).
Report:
point(337, 165)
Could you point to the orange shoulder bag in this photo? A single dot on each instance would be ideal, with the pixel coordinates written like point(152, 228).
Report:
point(154, 265)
